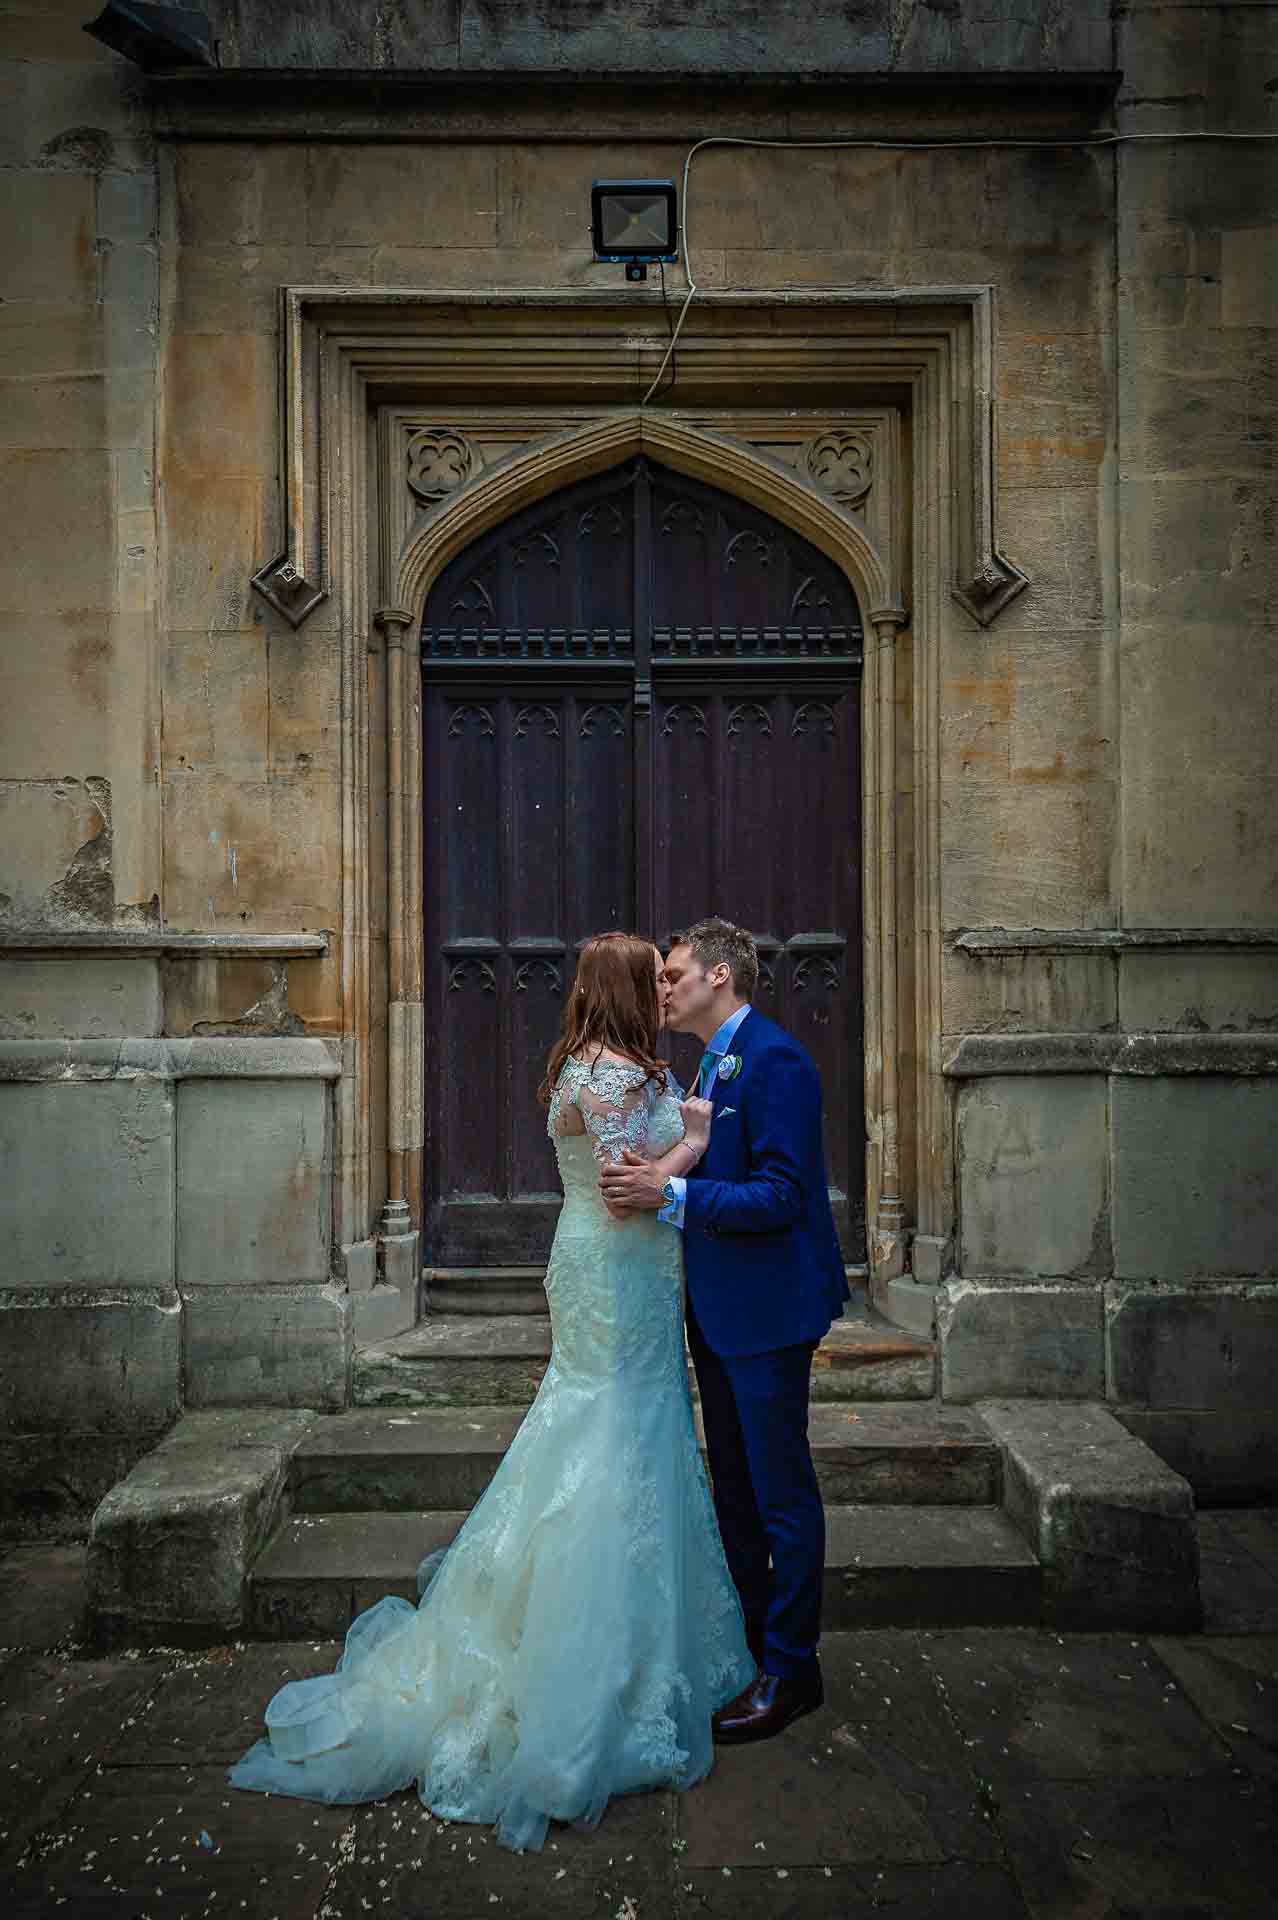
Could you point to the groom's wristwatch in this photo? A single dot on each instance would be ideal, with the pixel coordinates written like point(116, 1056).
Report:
point(668, 1194)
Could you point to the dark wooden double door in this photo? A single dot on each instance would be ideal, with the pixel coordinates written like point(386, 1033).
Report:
point(640, 706)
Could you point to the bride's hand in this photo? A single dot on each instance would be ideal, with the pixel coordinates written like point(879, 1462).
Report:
point(696, 1116)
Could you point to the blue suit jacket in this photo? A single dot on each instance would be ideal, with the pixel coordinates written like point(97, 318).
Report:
point(761, 1253)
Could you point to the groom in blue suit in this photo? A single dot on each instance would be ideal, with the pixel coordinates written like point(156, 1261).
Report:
point(765, 1278)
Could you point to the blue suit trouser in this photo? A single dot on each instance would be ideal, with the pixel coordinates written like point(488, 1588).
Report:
point(755, 1411)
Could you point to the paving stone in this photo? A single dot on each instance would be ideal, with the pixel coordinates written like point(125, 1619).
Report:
point(815, 1795)
point(1238, 1558)
point(1233, 1683)
point(209, 1706)
point(1152, 1850)
point(129, 1845)
point(461, 1872)
point(884, 1692)
point(955, 1891)
point(1069, 1707)
point(42, 1597)
point(55, 1718)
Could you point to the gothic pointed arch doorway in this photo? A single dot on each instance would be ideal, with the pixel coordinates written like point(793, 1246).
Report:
point(641, 704)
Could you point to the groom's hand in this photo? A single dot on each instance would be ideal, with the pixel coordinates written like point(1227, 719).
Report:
point(632, 1182)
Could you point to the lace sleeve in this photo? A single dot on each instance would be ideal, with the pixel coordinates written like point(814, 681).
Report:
point(616, 1104)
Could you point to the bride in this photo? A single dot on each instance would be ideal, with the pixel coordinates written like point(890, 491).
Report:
point(577, 1636)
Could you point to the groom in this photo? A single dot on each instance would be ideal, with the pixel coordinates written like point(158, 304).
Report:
point(765, 1278)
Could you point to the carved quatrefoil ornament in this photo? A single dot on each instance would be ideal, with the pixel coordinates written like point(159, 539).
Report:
point(440, 462)
point(842, 465)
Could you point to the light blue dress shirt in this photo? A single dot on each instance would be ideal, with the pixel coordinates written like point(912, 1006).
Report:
point(719, 1044)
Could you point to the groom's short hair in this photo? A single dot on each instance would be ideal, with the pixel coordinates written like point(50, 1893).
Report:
point(714, 943)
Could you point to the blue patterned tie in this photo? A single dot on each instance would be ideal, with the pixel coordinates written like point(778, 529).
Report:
point(705, 1074)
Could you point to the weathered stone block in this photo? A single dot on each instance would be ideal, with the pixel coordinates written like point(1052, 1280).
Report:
point(240, 195)
point(1033, 1176)
point(1029, 993)
point(46, 238)
point(368, 194)
point(1249, 277)
point(57, 502)
point(172, 1545)
point(87, 1196)
point(1202, 1346)
point(359, 1263)
point(1059, 533)
point(380, 1315)
point(226, 525)
point(1195, 1177)
point(50, 1483)
point(253, 1182)
point(235, 289)
point(56, 836)
point(216, 703)
point(268, 845)
point(221, 414)
point(75, 1360)
point(1198, 992)
point(285, 1347)
point(911, 1303)
point(1024, 855)
point(1229, 1459)
point(1003, 1341)
point(1114, 1529)
point(1203, 851)
point(72, 996)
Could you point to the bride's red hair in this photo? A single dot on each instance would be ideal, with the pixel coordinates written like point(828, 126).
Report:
point(613, 1004)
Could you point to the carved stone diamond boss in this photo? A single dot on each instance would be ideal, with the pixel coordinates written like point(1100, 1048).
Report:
point(440, 462)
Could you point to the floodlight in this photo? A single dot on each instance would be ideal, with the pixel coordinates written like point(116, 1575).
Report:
point(634, 222)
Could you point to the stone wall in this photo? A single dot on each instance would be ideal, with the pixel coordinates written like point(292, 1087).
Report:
point(1152, 1200)
point(172, 752)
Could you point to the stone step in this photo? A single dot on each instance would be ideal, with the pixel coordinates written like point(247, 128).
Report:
point(497, 1360)
point(440, 1459)
point(485, 1290)
point(489, 1290)
point(913, 1566)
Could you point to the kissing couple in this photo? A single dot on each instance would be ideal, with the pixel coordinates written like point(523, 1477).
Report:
point(598, 1622)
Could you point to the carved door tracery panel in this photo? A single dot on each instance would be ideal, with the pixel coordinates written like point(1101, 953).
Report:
point(641, 704)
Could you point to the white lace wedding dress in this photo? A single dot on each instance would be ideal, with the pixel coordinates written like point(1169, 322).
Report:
point(582, 1628)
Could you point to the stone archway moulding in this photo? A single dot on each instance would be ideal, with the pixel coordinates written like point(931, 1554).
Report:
point(555, 380)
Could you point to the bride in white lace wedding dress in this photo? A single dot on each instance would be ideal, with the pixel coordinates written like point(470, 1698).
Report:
point(583, 1627)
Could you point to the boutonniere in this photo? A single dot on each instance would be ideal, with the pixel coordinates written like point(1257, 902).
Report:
point(730, 1066)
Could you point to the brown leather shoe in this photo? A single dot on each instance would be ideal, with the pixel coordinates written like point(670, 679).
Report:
point(767, 1705)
